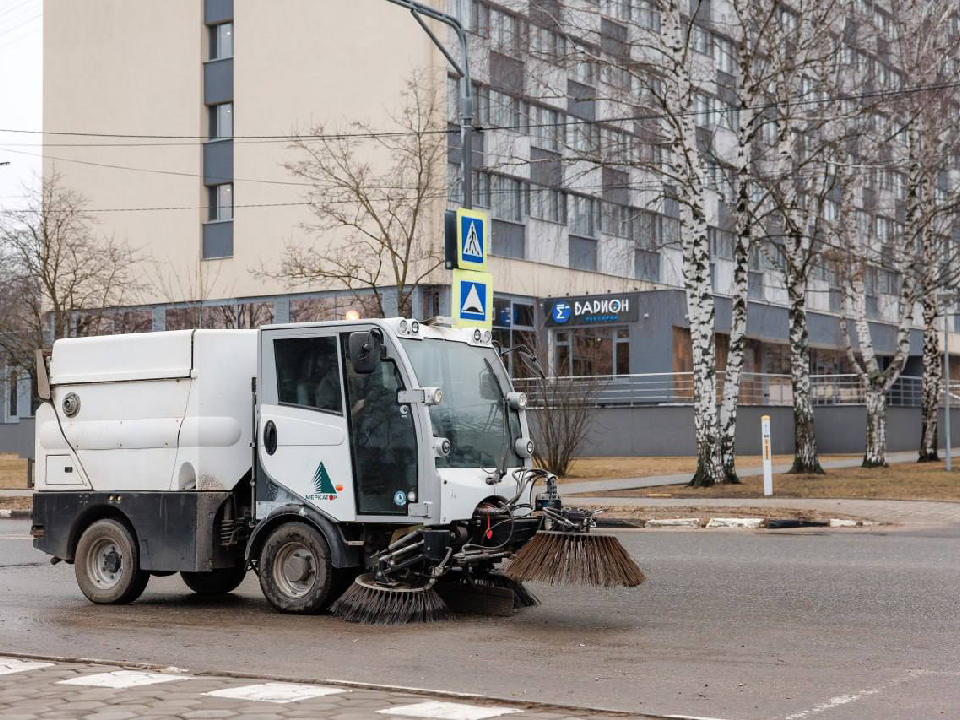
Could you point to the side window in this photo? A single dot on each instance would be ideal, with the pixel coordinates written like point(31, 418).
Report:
point(308, 373)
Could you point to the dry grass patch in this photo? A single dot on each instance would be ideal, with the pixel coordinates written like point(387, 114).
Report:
point(633, 467)
point(16, 503)
point(13, 472)
point(903, 481)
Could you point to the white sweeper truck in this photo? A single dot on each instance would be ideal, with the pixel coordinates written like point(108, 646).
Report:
point(378, 468)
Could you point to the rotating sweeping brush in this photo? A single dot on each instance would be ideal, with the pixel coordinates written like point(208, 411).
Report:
point(522, 597)
point(575, 558)
point(369, 603)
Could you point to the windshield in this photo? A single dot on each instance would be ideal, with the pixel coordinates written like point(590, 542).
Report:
point(471, 414)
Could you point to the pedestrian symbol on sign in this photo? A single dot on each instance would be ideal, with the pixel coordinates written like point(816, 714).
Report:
point(471, 244)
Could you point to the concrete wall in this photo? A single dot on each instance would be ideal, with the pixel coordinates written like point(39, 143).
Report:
point(668, 430)
point(17, 437)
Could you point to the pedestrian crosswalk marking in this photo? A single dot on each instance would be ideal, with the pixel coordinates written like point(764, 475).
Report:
point(275, 692)
point(120, 679)
point(447, 711)
point(9, 666)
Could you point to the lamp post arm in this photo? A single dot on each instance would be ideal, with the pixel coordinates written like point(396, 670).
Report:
point(419, 11)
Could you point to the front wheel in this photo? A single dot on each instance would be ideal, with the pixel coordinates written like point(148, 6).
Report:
point(296, 574)
point(215, 582)
point(107, 564)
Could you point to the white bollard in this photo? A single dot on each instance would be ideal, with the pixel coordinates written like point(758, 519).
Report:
point(767, 455)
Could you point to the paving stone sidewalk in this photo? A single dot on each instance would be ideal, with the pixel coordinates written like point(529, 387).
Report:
point(32, 689)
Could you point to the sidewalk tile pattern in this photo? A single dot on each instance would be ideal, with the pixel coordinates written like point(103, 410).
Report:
point(38, 689)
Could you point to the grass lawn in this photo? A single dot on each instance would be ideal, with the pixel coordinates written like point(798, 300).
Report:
point(13, 472)
point(903, 481)
point(632, 467)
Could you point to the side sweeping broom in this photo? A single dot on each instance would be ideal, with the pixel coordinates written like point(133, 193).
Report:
point(566, 552)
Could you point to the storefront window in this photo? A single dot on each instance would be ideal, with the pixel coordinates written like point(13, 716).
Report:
point(513, 324)
point(593, 351)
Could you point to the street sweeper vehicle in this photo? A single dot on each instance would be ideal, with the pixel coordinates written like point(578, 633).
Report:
point(379, 468)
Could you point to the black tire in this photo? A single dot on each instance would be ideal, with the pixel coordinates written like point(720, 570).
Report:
point(215, 582)
point(296, 574)
point(107, 564)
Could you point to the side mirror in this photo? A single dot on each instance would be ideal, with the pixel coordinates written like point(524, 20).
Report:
point(364, 349)
point(530, 360)
point(43, 378)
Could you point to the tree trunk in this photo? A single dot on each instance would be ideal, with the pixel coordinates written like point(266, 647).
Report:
point(806, 459)
point(931, 383)
point(875, 454)
point(738, 333)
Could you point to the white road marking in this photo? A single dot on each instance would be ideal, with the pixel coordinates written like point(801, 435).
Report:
point(447, 711)
point(276, 692)
point(15, 537)
point(9, 666)
point(841, 700)
point(120, 679)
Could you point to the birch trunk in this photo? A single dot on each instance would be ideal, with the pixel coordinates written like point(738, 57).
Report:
point(806, 458)
point(875, 453)
point(738, 332)
point(932, 380)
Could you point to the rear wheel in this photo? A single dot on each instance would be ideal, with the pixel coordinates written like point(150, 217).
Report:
point(107, 564)
point(296, 574)
point(215, 582)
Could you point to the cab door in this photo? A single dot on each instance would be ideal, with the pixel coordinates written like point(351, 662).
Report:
point(303, 427)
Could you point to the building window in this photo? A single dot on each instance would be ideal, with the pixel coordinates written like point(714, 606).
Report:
point(700, 40)
point(723, 55)
point(506, 198)
point(646, 265)
point(546, 128)
point(584, 216)
point(548, 204)
point(221, 41)
point(13, 394)
point(221, 202)
point(593, 351)
point(722, 243)
point(221, 121)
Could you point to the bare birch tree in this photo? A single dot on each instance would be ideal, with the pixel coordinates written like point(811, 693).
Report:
point(374, 228)
point(56, 272)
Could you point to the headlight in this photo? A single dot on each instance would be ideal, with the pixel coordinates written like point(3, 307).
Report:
point(524, 447)
point(486, 337)
point(432, 396)
point(414, 327)
point(477, 335)
point(403, 326)
point(442, 447)
point(517, 400)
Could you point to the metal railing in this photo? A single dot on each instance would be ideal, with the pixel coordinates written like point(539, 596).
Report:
point(755, 389)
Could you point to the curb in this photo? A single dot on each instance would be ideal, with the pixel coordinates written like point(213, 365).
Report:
point(738, 523)
point(15, 514)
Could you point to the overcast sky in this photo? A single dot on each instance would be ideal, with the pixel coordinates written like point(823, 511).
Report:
point(21, 95)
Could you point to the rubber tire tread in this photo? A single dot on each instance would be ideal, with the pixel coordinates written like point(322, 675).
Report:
point(133, 581)
point(320, 595)
point(215, 582)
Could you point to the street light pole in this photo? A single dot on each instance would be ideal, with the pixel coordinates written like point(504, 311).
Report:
point(946, 387)
point(419, 11)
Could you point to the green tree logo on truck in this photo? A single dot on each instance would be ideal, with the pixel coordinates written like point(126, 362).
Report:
point(323, 485)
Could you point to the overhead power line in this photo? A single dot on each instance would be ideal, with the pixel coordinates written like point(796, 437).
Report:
point(200, 139)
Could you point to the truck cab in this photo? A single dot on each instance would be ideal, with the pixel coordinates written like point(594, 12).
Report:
point(301, 451)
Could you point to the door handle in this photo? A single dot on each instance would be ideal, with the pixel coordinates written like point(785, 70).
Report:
point(270, 437)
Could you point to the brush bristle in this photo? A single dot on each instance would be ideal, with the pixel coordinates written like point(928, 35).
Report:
point(522, 598)
point(575, 559)
point(367, 603)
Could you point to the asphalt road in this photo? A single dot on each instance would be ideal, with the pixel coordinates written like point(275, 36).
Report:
point(731, 624)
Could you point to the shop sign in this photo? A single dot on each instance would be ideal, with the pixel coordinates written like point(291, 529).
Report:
point(591, 309)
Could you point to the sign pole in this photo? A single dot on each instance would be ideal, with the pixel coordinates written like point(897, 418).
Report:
point(767, 455)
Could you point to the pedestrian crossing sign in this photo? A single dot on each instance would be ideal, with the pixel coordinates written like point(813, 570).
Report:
point(472, 301)
point(473, 239)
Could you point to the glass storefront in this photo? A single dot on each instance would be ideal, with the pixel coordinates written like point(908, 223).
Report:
point(513, 324)
point(592, 351)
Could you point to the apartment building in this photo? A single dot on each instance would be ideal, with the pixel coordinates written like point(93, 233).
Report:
point(172, 119)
